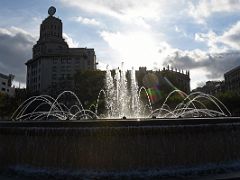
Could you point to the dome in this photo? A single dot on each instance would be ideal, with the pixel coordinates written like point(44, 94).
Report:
point(51, 10)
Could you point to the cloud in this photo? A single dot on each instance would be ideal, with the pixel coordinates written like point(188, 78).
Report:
point(214, 65)
point(205, 8)
point(140, 13)
point(71, 43)
point(88, 21)
point(232, 36)
point(15, 49)
point(213, 42)
point(141, 48)
point(136, 48)
point(228, 40)
point(103, 66)
point(181, 31)
point(132, 28)
point(118, 9)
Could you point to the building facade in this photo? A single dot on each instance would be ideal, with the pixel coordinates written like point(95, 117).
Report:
point(167, 79)
point(232, 80)
point(53, 64)
point(176, 78)
point(231, 83)
point(211, 87)
point(6, 84)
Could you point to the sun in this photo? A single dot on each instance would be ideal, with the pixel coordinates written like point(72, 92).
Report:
point(136, 48)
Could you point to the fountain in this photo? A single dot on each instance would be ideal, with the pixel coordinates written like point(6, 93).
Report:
point(54, 135)
point(120, 101)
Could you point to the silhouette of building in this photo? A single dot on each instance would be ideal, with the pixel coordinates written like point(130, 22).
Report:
point(6, 84)
point(166, 79)
point(53, 64)
point(232, 79)
point(211, 87)
point(231, 82)
point(176, 78)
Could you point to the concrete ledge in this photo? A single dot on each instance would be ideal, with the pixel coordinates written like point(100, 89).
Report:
point(124, 145)
point(121, 123)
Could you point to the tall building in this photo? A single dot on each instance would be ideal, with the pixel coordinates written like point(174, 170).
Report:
point(232, 79)
point(53, 64)
point(6, 84)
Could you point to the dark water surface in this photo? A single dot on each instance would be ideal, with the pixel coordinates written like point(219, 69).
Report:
point(226, 171)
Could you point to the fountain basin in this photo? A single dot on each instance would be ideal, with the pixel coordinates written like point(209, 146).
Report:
point(120, 145)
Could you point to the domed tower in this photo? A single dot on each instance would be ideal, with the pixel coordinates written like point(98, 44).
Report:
point(50, 40)
point(53, 64)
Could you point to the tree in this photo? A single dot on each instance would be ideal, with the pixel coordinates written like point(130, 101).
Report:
point(231, 100)
point(88, 84)
point(9, 104)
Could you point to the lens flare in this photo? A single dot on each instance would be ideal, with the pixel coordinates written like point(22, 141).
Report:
point(154, 94)
point(174, 87)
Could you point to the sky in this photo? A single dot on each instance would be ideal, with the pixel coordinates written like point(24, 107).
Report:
point(202, 36)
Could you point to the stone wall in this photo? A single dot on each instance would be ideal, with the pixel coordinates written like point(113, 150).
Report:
point(122, 148)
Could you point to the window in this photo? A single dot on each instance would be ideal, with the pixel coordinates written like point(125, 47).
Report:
point(54, 68)
point(62, 68)
point(55, 60)
point(77, 61)
point(62, 61)
point(3, 83)
point(69, 76)
point(85, 56)
point(69, 61)
point(54, 76)
point(62, 76)
point(3, 89)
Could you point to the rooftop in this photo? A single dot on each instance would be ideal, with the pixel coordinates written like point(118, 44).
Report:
point(233, 70)
point(4, 76)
